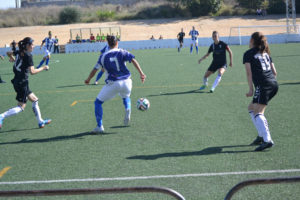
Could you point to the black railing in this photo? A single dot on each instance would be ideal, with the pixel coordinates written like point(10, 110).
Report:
point(65, 192)
point(260, 182)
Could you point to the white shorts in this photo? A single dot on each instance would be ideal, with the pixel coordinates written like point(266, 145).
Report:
point(46, 52)
point(121, 87)
point(194, 42)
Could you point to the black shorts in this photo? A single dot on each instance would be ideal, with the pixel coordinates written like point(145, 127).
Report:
point(214, 67)
point(180, 41)
point(264, 93)
point(22, 91)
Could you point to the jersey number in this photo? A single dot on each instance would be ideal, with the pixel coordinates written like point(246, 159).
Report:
point(114, 59)
point(18, 63)
point(265, 63)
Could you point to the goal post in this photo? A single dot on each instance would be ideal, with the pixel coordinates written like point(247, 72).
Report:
point(85, 33)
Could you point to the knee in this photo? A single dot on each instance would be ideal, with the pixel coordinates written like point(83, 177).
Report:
point(22, 106)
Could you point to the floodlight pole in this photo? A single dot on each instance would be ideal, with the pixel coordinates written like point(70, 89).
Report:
point(290, 13)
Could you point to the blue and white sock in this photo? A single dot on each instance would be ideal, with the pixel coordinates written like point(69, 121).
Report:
point(197, 49)
point(98, 112)
point(47, 61)
point(99, 75)
point(262, 124)
point(41, 63)
point(127, 103)
point(191, 49)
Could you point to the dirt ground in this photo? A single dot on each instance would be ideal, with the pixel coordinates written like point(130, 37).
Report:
point(144, 29)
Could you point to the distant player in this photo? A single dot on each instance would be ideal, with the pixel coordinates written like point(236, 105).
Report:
point(105, 49)
point(23, 65)
point(48, 41)
point(218, 48)
point(261, 73)
point(194, 34)
point(1, 81)
point(118, 80)
point(180, 38)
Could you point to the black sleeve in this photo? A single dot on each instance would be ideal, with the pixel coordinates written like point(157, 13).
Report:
point(271, 61)
point(247, 57)
point(28, 62)
point(225, 45)
point(210, 49)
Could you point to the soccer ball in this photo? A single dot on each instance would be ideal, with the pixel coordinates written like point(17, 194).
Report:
point(143, 104)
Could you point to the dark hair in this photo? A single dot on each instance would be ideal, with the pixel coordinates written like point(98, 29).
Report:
point(260, 42)
point(23, 43)
point(215, 32)
point(111, 40)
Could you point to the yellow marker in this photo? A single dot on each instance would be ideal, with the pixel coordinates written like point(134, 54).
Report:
point(3, 171)
point(74, 103)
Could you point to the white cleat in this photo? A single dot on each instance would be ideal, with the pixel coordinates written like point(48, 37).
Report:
point(96, 83)
point(98, 129)
point(127, 117)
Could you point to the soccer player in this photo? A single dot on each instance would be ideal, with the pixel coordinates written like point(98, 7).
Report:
point(48, 41)
point(180, 38)
point(219, 63)
point(1, 81)
point(194, 34)
point(23, 65)
point(261, 73)
point(105, 49)
point(118, 80)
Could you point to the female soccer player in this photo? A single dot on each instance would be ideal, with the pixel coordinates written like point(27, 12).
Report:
point(118, 80)
point(1, 81)
point(219, 63)
point(194, 34)
point(23, 64)
point(180, 38)
point(262, 73)
point(48, 41)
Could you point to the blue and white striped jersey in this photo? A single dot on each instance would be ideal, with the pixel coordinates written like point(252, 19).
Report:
point(49, 43)
point(114, 62)
point(194, 34)
point(105, 49)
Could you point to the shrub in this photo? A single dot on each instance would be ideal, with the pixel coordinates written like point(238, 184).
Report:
point(105, 15)
point(69, 15)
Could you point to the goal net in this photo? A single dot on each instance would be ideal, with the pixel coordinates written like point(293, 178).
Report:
point(241, 34)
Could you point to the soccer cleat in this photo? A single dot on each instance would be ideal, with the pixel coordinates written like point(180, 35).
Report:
point(45, 122)
point(2, 81)
point(98, 129)
point(1, 121)
point(127, 117)
point(264, 145)
point(96, 83)
point(202, 87)
point(258, 140)
point(212, 90)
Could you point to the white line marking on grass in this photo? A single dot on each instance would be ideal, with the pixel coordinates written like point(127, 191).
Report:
point(152, 177)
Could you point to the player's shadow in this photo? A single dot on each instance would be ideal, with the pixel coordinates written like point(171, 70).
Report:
point(57, 138)
point(15, 130)
point(115, 127)
point(71, 86)
point(178, 93)
point(290, 83)
point(206, 151)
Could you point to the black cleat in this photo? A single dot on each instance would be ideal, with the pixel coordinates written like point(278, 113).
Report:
point(258, 140)
point(1, 81)
point(264, 145)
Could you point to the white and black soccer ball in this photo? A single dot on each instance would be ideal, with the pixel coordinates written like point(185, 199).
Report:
point(143, 104)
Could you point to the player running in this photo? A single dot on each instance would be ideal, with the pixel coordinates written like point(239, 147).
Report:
point(194, 34)
point(48, 41)
point(262, 74)
point(219, 62)
point(105, 49)
point(1, 81)
point(23, 64)
point(118, 80)
point(180, 38)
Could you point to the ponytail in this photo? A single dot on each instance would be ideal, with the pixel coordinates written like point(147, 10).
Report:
point(260, 42)
point(23, 43)
point(111, 40)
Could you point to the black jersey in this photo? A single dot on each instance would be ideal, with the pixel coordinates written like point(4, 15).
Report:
point(219, 52)
point(21, 67)
point(181, 35)
point(262, 73)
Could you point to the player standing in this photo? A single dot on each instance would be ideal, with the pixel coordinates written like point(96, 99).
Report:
point(194, 34)
point(219, 62)
point(1, 81)
point(105, 49)
point(262, 73)
point(23, 64)
point(48, 41)
point(180, 38)
point(118, 80)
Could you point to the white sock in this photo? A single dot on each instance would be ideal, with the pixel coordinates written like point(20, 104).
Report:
point(262, 124)
point(251, 113)
point(36, 111)
point(205, 81)
point(217, 81)
point(12, 112)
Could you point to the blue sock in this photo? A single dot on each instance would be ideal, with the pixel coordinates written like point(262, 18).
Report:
point(98, 112)
point(191, 50)
point(47, 61)
point(127, 103)
point(197, 49)
point(41, 63)
point(99, 75)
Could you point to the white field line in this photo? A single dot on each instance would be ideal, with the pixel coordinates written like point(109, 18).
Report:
point(152, 177)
